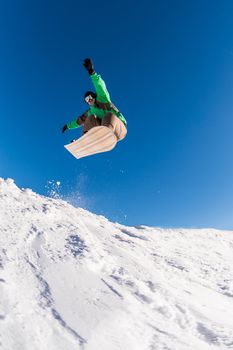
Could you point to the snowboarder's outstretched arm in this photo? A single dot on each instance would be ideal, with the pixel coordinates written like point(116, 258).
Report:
point(99, 84)
point(76, 123)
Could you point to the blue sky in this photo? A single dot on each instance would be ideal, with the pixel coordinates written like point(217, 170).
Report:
point(168, 66)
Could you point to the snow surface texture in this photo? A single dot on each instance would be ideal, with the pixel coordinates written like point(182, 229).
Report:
point(73, 280)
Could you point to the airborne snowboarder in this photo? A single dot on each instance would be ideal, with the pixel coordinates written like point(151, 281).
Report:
point(106, 122)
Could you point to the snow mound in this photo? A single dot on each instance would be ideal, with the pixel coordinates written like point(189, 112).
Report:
point(72, 280)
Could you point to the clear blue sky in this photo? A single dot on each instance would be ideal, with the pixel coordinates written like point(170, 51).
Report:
point(168, 66)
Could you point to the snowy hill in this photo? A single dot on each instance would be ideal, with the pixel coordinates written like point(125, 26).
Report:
point(73, 280)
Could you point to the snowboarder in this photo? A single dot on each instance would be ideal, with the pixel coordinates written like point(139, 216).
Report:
point(101, 111)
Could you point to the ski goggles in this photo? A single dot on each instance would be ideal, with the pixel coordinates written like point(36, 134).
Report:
point(89, 98)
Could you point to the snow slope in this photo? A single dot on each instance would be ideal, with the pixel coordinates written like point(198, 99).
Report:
point(73, 280)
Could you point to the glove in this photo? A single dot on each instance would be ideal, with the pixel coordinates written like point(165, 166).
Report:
point(64, 129)
point(89, 66)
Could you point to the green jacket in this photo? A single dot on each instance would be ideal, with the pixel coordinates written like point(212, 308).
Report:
point(102, 104)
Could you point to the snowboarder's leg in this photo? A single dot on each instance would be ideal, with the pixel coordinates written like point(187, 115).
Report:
point(115, 124)
point(90, 122)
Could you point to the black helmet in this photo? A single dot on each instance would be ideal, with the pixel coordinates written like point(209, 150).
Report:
point(88, 93)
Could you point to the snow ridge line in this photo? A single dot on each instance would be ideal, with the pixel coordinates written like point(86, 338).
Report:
point(112, 289)
point(46, 295)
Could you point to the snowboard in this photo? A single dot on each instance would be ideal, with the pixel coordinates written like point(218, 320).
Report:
point(97, 140)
